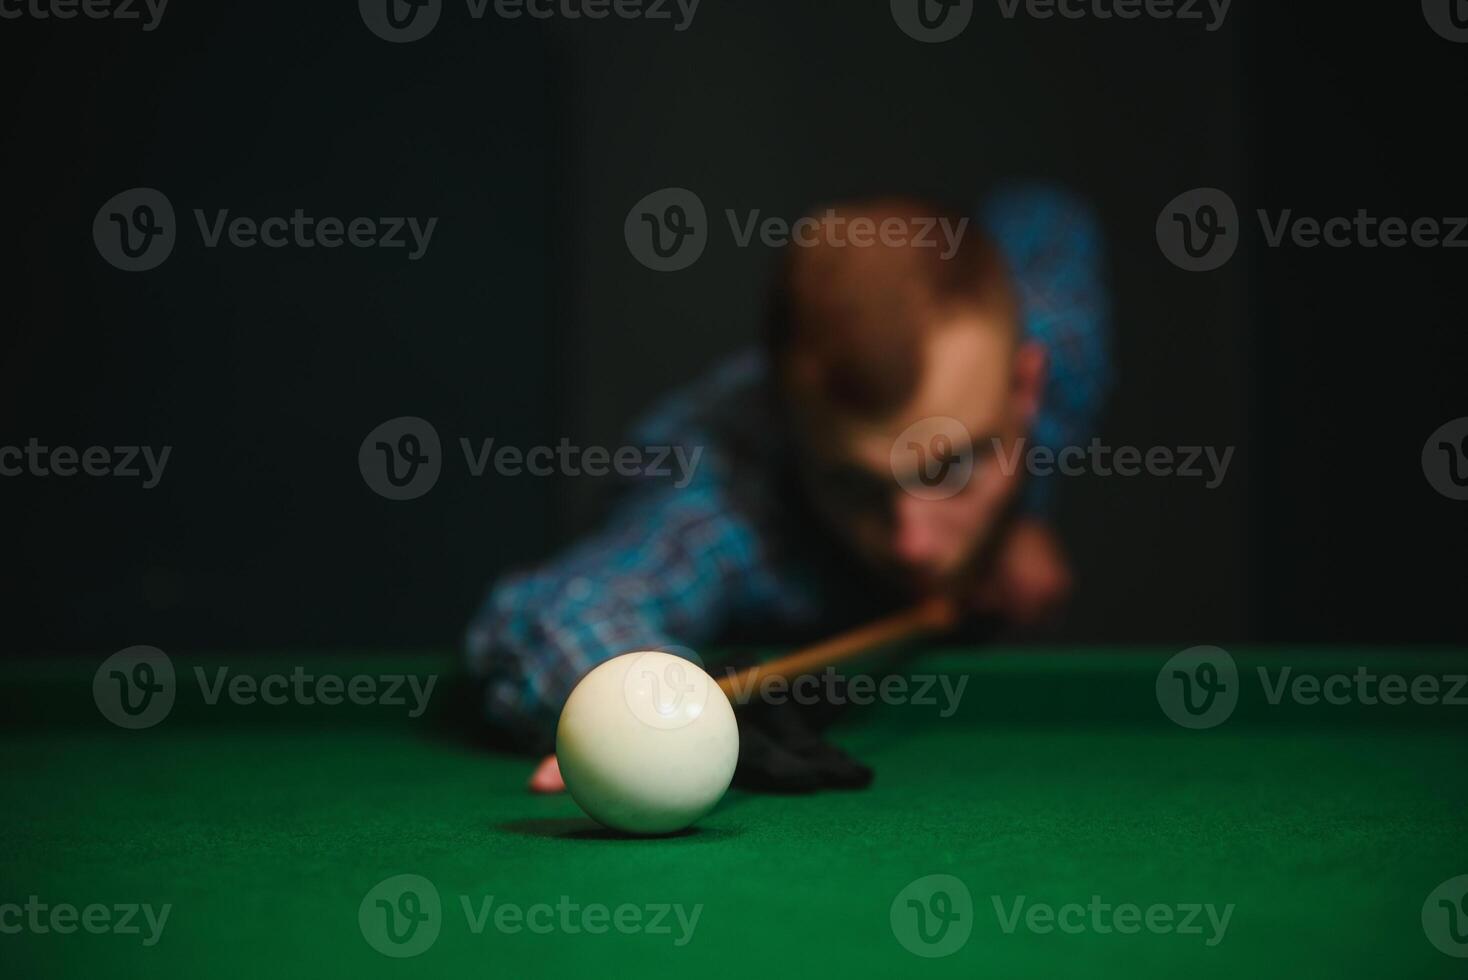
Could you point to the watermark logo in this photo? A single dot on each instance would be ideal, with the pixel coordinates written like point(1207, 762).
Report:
point(1199, 229)
point(135, 688)
point(1449, 18)
point(666, 690)
point(1199, 687)
point(401, 916)
point(933, 916)
point(1445, 459)
point(933, 459)
point(1445, 917)
point(400, 21)
point(401, 459)
point(135, 230)
point(932, 21)
point(667, 230)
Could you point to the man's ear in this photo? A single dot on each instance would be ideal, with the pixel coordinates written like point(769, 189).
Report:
point(1030, 366)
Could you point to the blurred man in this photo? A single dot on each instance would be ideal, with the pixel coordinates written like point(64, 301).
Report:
point(871, 454)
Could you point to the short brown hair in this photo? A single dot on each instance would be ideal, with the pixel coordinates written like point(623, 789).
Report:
point(851, 320)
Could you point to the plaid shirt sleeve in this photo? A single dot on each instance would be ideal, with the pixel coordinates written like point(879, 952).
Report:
point(666, 570)
point(670, 568)
point(1053, 244)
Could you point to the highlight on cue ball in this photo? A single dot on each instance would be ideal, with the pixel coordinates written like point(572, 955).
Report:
point(647, 743)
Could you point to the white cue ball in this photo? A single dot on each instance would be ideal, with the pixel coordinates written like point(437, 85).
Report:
point(647, 743)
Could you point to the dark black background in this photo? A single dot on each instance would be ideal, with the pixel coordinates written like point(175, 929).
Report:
point(528, 320)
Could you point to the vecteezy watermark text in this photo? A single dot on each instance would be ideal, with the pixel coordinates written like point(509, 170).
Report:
point(1363, 686)
point(679, 13)
point(830, 687)
point(567, 459)
point(36, 459)
point(402, 458)
point(148, 12)
point(1207, 463)
point(840, 232)
point(934, 916)
point(669, 229)
point(305, 231)
point(935, 458)
point(594, 918)
point(402, 916)
point(301, 687)
point(1210, 12)
point(936, 21)
point(63, 918)
point(1199, 230)
point(402, 21)
point(1103, 918)
point(137, 687)
point(136, 230)
point(1201, 686)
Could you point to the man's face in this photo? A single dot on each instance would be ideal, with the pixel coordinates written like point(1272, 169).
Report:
point(856, 469)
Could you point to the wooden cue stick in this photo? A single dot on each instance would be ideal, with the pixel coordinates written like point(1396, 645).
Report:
point(932, 615)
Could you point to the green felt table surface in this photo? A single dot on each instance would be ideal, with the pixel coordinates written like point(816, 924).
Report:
point(1321, 829)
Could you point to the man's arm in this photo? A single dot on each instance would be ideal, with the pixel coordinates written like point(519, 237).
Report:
point(668, 568)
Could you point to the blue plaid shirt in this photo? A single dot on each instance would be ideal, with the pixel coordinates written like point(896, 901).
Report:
point(680, 567)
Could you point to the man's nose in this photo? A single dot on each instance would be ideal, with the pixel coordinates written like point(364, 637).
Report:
point(917, 535)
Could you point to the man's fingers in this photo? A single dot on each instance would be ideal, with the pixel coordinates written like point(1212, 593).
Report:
point(547, 777)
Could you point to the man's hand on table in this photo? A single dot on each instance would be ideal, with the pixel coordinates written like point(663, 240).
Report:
point(1030, 577)
point(547, 777)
